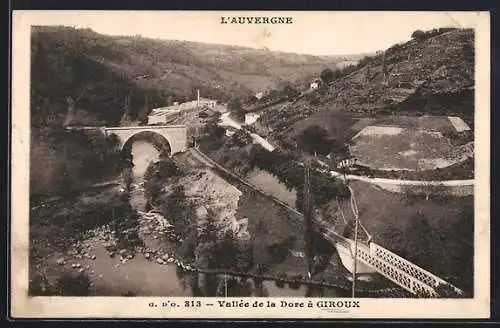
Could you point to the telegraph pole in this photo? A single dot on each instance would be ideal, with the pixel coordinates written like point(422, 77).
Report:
point(355, 254)
point(225, 284)
point(307, 214)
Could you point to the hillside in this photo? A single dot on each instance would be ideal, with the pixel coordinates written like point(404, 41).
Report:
point(429, 75)
point(101, 72)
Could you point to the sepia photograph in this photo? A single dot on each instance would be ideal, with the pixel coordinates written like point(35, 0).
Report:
point(219, 160)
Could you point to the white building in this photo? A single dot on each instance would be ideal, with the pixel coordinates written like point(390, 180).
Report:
point(259, 95)
point(251, 118)
point(230, 131)
point(315, 84)
point(206, 102)
point(163, 114)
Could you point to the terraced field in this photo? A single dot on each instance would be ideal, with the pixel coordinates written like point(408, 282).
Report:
point(397, 143)
point(414, 149)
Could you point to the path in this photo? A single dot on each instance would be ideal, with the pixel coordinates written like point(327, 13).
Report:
point(228, 121)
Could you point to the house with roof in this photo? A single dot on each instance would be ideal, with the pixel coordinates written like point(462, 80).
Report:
point(163, 114)
point(315, 84)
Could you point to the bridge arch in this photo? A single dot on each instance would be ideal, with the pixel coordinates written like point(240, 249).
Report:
point(157, 140)
point(172, 137)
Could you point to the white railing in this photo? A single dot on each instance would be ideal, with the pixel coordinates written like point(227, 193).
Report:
point(391, 272)
point(409, 267)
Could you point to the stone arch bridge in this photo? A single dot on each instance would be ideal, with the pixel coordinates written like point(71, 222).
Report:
point(173, 136)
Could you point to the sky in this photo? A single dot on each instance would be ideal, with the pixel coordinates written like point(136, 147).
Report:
point(316, 33)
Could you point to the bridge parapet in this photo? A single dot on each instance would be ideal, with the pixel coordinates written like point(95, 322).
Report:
point(175, 135)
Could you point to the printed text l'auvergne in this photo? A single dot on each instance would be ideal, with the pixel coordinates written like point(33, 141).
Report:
point(256, 20)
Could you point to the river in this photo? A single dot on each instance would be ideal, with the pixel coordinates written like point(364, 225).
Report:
point(142, 277)
point(143, 154)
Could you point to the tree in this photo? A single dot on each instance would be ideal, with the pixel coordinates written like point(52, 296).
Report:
point(173, 207)
point(418, 35)
point(226, 251)
point(188, 247)
point(326, 75)
point(315, 139)
point(236, 108)
point(368, 72)
point(251, 99)
point(437, 191)
point(208, 231)
point(142, 116)
point(215, 130)
point(337, 73)
point(290, 91)
point(241, 138)
point(384, 64)
point(313, 99)
point(166, 169)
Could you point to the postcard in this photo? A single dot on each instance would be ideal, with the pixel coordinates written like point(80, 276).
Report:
point(250, 164)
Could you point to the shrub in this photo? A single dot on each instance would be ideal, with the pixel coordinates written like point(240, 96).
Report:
point(241, 138)
point(418, 35)
point(315, 139)
point(215, 131)
point(327, 75)
point(68, 285)
point(157, 174)
point(312, 98)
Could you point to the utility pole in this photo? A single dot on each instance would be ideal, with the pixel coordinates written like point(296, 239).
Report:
point(307, 214)
point(355, 254)
point(114, 221)
point(225, 284)
point(356, 225)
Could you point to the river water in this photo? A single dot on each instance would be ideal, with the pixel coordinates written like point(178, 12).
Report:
point(143, 154)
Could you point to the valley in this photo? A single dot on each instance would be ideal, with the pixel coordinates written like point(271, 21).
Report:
point(244, 198)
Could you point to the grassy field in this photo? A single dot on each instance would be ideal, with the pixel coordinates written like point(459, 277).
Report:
point(436, 234)
point(342, 125)
point(432, 123)
point(418, 153)
point(410, 149)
